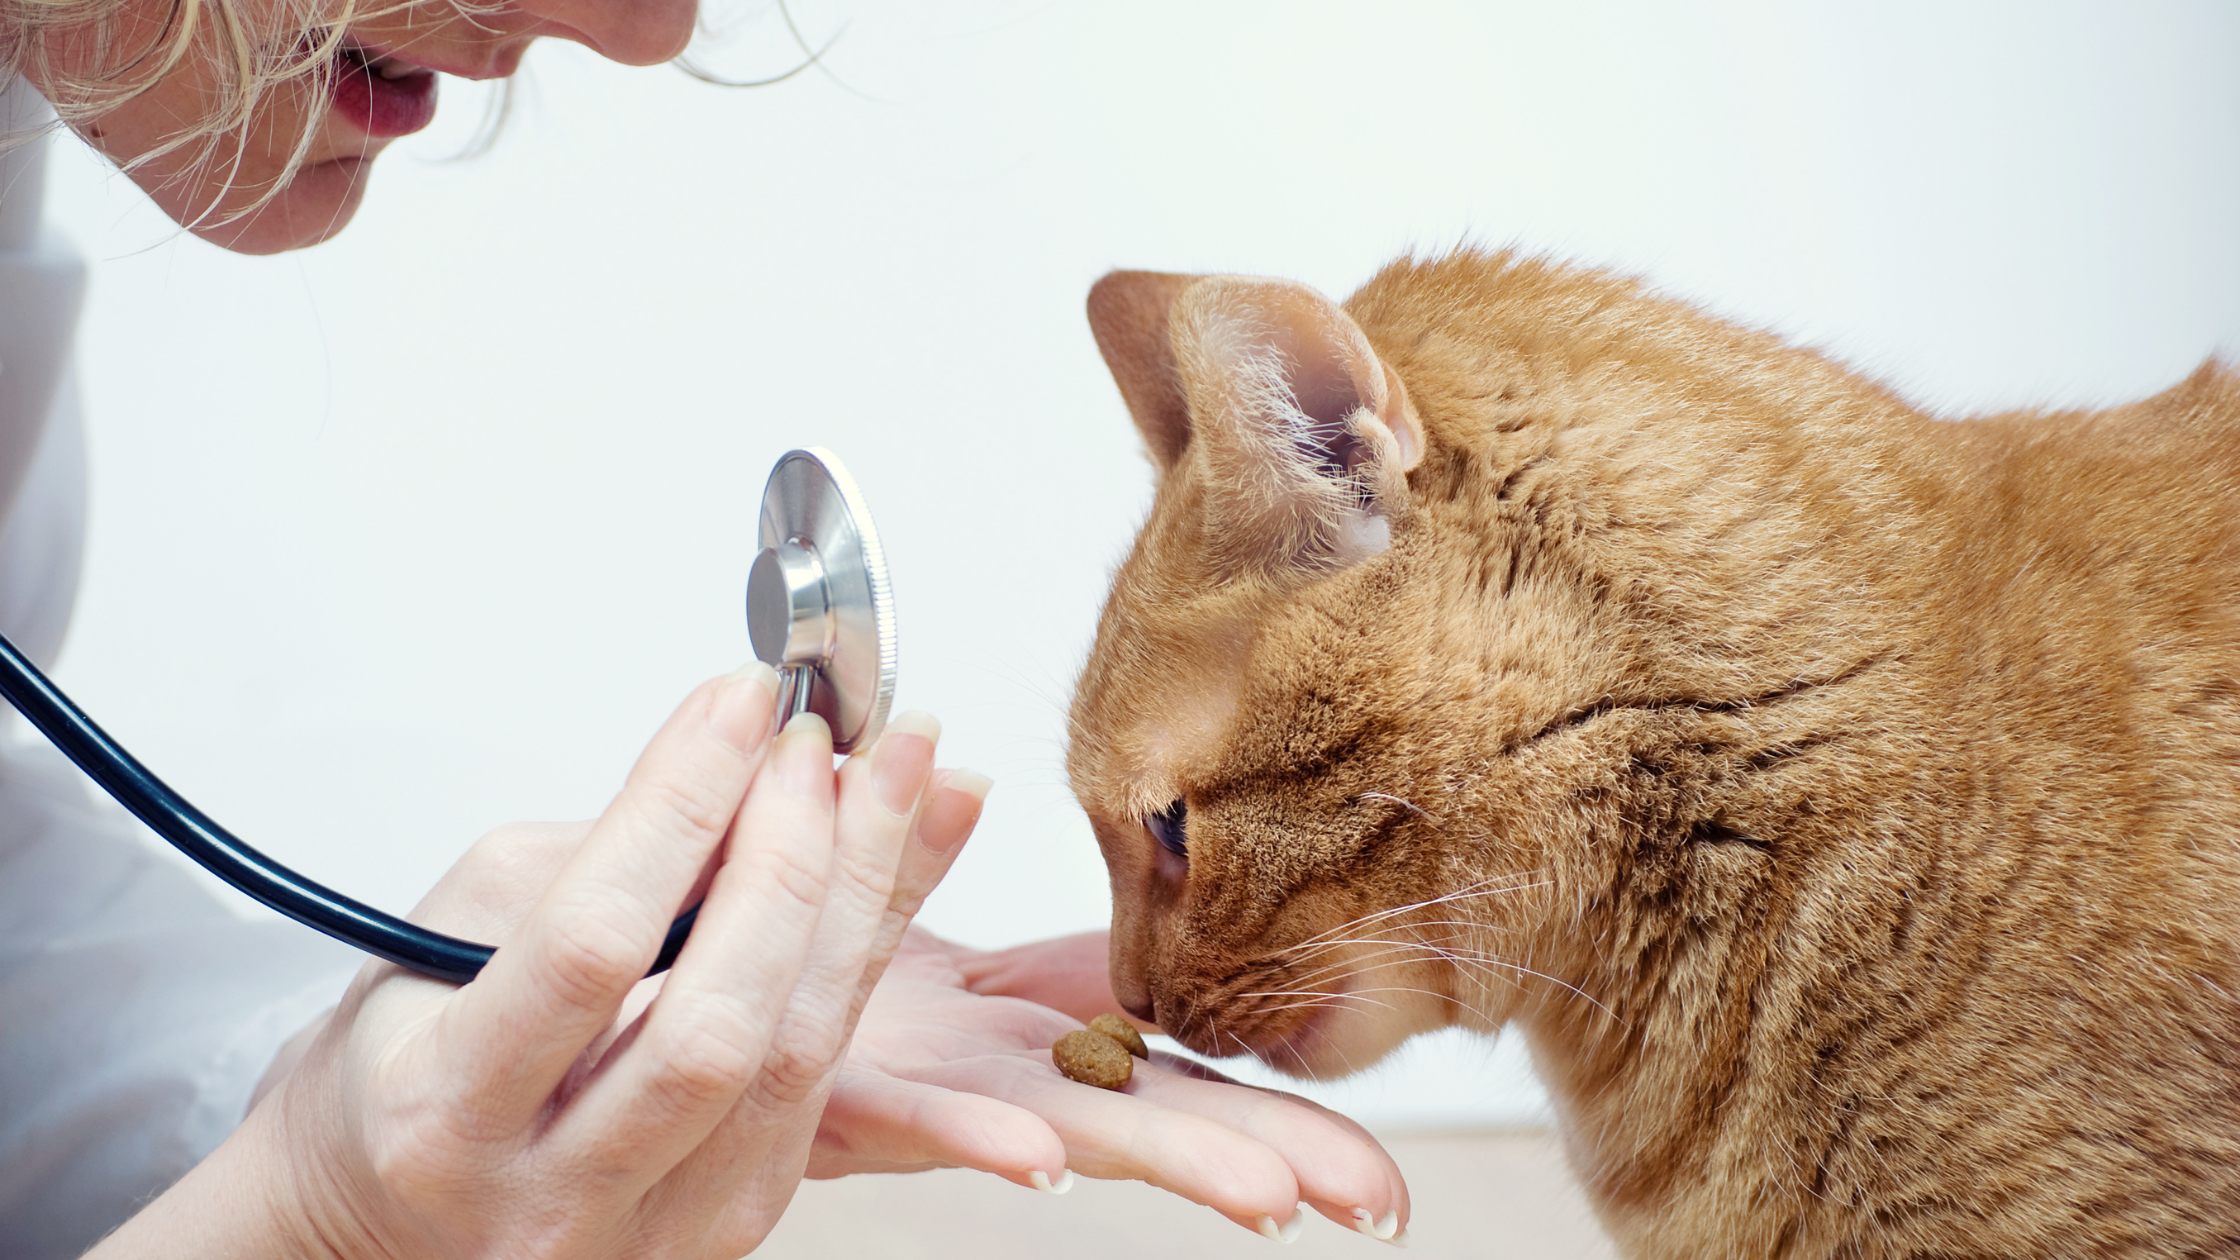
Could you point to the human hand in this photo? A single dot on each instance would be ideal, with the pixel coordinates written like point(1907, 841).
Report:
point(951, 1068)
point(561, 1105)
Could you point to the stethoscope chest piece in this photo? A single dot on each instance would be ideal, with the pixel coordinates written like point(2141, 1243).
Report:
point(819, 608)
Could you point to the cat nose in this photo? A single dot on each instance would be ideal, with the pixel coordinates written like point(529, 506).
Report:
point(1141, 1010)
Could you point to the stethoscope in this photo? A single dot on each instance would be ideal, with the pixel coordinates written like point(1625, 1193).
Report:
point(819, 610)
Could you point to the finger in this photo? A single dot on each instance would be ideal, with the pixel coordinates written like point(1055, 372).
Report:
point(1071, 974)
point(1117, 1136)
point(485, 896)
point(1393, 1221)
point(946, 817)
point(556, 983)
point(879, 1123)
point(1343, 1172)
point(708, 1036)
point(948, 810)
point(489, 893)
point(878, 797)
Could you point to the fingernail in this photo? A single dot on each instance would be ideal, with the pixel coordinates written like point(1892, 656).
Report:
point(1288, 1231)
point(1365, 1222)
point(1041, 1181)
point(741, 715)
point(1387, 1226)
point(949, 816)
point(903, 759)
point(804, 757)
point(1399, 1240)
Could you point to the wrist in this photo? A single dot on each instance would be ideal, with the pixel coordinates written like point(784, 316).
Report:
point(247, 1200)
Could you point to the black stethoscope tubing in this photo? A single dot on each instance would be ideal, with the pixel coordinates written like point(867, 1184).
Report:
point(224, 855)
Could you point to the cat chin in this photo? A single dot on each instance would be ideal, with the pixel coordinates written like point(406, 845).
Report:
point(1334, 1043)
point(1295, 1053)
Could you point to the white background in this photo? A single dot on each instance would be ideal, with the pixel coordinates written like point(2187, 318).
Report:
point(427, 528)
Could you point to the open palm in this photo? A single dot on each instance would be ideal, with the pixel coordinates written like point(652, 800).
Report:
point(950, 1067)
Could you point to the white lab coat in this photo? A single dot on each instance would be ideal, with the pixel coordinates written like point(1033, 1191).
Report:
point(137, 1006)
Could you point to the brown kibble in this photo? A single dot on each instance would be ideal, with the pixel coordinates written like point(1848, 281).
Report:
point(1092, 1059)
point(1122, 1031)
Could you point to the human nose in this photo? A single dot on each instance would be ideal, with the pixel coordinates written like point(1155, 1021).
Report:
point(633, 32)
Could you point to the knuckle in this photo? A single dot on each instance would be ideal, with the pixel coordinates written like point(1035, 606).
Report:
point(547, 1231)
point(588, 957)
point(706, 1053)
point(419, 1154)
point(418, 1115)
point(872, 871)
point(793, 1073)
point(792, 878)
point(692, 810)
point(517, 842)
point(707, 693)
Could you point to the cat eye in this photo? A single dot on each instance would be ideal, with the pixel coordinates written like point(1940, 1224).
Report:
point(1166, 828)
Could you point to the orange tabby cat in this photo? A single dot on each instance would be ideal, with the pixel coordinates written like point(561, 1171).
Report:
point(1845, 804)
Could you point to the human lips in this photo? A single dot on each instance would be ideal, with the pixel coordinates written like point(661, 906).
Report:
point(381, 94)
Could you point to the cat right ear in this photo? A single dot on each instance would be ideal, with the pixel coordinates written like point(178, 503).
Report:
point(1129, 313)
point(1303, 435)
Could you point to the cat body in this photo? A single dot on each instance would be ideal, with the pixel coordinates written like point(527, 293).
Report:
point(1845, 804)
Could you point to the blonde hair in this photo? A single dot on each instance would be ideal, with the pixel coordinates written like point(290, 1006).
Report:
point(252, 50)
point(252, 55)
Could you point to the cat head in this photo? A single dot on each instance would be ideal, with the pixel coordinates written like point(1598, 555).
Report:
point(1450, 623)
point(1266, 734)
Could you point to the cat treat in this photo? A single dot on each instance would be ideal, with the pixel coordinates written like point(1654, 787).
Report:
point(1092, 1058)
point(1122, 1031)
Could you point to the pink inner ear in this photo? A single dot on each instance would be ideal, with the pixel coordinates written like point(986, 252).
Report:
point(1332, 373)
point(1335, 373)
point(1325, 390)
point(1287, 400)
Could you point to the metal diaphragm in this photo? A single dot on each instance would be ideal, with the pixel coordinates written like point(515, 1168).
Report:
point(819, 608)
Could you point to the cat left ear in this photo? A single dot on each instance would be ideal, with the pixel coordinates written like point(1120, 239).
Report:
point(1128, 313)
point(1306, 436)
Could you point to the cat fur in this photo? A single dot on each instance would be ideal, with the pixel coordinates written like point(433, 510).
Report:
point(1842, 802)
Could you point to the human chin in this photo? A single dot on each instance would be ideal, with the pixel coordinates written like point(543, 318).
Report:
point(318, 201)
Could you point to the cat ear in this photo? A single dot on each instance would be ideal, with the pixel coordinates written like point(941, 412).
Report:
point(1304, 434)
point(1128, 313)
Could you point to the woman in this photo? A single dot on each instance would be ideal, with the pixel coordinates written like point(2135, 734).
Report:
point(559, 1105)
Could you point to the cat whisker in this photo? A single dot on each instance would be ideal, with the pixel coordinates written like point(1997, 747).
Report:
point(1478, 889)
point(1481, 888)
point(1320, 999)
point(1378, 940)
point(1390, 947)
point(1329, 999)
point(1340, 995)
point(1324, 964)
point(1469, 960)
point(1490, 886)
point(1408, 805)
